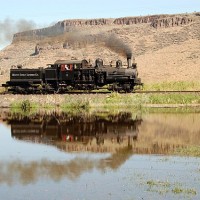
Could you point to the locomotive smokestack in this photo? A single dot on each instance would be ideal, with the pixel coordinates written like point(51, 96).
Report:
point(129, 60)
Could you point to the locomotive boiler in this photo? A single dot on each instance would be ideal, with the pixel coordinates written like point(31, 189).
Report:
point(69, 75)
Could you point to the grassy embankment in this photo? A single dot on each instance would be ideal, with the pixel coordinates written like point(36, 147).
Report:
point(110, 101)
point(114, 100)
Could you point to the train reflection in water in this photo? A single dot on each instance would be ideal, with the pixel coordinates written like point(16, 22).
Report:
point(104, 132)
point(100, 132)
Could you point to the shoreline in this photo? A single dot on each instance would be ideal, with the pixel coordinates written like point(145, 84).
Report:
point(113, 100)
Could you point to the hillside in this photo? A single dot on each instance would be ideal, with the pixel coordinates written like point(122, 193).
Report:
point(166, 47)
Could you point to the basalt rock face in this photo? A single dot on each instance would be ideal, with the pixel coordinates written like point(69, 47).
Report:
point(137, 20)
point(58, 28)
point(155, 21)
point(39, 33)
point(171, 22)
point(81, 22)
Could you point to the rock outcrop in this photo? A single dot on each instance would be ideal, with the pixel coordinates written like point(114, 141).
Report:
point(137, 20)
point(39, 33)
point(82, 22)
point(171, 22)
point(155, 21)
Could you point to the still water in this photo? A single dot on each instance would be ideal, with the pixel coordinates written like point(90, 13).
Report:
point(121, 156)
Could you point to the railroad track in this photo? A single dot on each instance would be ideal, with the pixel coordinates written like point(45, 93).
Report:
point(135, 92)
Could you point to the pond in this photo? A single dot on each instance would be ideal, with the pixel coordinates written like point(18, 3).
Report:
point(100, 155)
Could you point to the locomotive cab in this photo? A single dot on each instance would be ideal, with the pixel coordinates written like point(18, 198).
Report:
point(67, 69)
point(65, 74)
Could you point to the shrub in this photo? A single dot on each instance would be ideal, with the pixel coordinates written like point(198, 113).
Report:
point(25, 105)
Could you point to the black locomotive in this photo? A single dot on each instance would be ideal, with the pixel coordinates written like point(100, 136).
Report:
point(69, 75)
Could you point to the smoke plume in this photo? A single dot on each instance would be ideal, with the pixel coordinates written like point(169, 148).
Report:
point(8, 27)
point(118, 46)
point(110, 41)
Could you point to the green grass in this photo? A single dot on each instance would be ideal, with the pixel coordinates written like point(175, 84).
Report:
point(116, 100)
point(152, 183)
point(173, 99)
point(188, 151)
point(174, 86)
point(24, 105)
point(76, 104)
point(179, 190)
point(139, 100)
point(163, 187)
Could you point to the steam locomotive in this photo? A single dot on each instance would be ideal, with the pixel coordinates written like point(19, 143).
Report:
point(69, 75)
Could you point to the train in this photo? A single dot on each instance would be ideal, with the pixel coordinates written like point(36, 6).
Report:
point(71, 75)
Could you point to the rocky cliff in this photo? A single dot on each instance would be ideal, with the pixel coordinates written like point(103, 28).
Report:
point(156, 21)
point(39, 33)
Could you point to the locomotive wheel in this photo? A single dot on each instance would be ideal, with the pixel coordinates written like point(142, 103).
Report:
point(127, 88)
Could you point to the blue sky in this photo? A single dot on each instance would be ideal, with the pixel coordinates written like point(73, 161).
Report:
point(46, 12)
